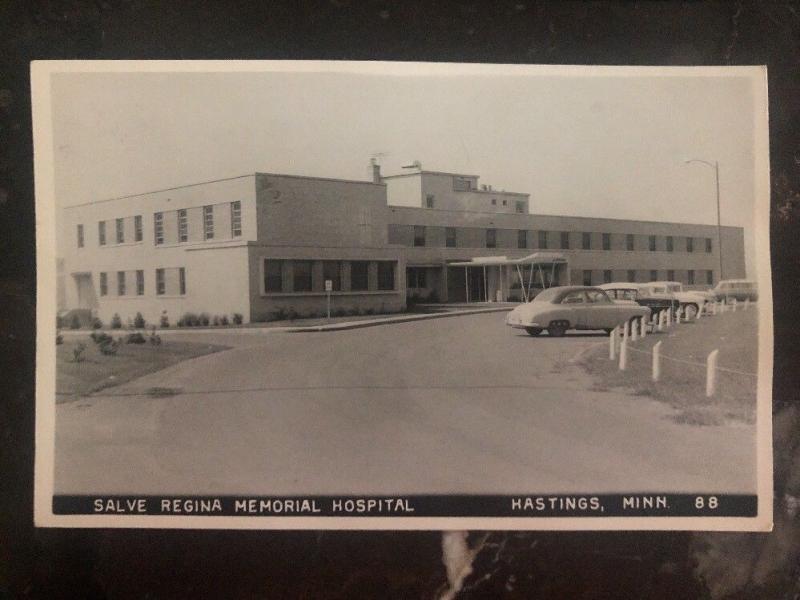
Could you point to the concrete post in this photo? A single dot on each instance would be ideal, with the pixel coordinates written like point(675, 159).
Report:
point(711, 373)
point(735, 302)
point(700, 312)
point(678, 315)
point(623, 355)
point(657, 361)
point(634, 332)
point(643, 327)
point(612, 344)
point(661, 318)
point(626, 331)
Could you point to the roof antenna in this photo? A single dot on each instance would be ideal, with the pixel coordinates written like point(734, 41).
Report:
point(415, 165)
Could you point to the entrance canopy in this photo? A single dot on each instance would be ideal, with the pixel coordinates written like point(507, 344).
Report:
point(531, 263)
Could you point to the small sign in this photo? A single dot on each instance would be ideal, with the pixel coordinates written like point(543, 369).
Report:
point(328, 285)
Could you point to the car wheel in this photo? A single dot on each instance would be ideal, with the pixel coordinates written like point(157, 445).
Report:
point(534, 331)
point(690, 311)
point(557, 329)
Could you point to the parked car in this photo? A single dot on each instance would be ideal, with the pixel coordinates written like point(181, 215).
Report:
point(735, 289)
point(559, 309)
point(691, 301)
point(643, 294)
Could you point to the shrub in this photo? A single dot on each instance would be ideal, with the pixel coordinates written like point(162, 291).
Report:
point(370, 311)
point(188, 319)
point(77, 353)
point(339, 312)
point(155, 339)
point(237, 319)
point(97, 323)
point(204, 319)
point(100, 338)
point(109, 348)
point(138, 321)
point(223, 320)
point(353, 311)
point(74, 322)
point(135, 338)
point(116, 322)
point(164, 319)
point(291, 314)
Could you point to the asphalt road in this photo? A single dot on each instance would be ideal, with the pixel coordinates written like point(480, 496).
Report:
point(462, 404)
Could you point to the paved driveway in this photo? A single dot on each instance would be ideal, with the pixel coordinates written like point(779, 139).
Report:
point(462, 404)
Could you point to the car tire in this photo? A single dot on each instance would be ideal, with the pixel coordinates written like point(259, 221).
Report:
point(690, 311)
point(557, 328)
point(534, 331)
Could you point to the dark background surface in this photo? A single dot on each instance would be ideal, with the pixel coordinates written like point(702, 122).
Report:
point(210, 564)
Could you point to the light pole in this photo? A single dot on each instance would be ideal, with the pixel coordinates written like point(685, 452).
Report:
point(715, 166)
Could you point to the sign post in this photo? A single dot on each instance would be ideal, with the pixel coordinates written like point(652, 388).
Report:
point(328, 289)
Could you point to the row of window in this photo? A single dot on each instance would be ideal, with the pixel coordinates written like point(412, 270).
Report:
point(163, 278)
point(158, 226)
point(519, 205)
point(290, 276)
point(692, 277)
point(545, 239)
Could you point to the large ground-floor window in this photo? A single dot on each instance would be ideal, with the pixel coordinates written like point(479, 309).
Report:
point(359, 275)
point(385, 275)
point(303, 275)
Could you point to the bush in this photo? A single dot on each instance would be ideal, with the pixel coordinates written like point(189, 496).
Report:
point(370, 311)
point(291, 314)
point(188, 319)
point(135, 338)
point(97, 323)
point(155, 339)
point(164, 322)
point(204, 319)
point(223, 320)
point(339, 312)
point(138, 321)
point(352, 311)
point(237, 319)
point(215, 321)
point(116, 322)
point(109, 348)
point(74, 322)
point(77, 353)
point(100, 338)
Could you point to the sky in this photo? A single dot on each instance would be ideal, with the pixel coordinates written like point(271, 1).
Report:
point(599, 146)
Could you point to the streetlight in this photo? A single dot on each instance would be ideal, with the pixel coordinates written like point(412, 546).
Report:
point(715, 166)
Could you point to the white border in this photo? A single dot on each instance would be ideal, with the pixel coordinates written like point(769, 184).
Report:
point(46, 302)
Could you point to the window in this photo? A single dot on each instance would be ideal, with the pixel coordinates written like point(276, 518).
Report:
point(183, 226)
point(462, 184)
point(140, 283)
point(520, 206)
point(586, 240)
point(670, 275)
point(690, 275)
point(629, 241)
point(80, 236)
point(653, 275)
point(208, 222)
point(494, 201)
point(301, 269)
point(385, 275)
point(332, 271)
point(573, 298)
point(419, 235)
point(631, 275)
point(522, 239)
point(158, 228)
point(689, 244)
point(120, 231)
point(565, 240)
point(597, 297)
point(101, 233)
point(417, 277)
point(607, 276)
point(543, 239)
point(161, 284)
point(182, 281)
point(429, 200)
point(709, 245)
point(236, 219)
point(606, 241)
point(137, 228)
point(104, 284)
point(450, 237)
point(120, 283)
point(505, 202)
point(491, 238)
point(587, 277)
point(670, 244)
point(710, 277)
point(652, 242)
point(273, 275)
point(359, 275)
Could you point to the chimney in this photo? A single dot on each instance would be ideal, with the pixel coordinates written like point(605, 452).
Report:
point(374, 170)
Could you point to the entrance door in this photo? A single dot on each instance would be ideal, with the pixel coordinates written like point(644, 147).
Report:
point(477, 287)
point(86, 294)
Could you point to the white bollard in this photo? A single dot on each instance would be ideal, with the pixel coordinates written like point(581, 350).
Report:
point(626, 331)
point(657, 361)
point(623, 355)
point(735, 302)
point(661, 318)
point(699, 312)
point(643, 326)
point(634, 332)
point(746, 303)
point(612, 344)
point(678, 315)
point(711, 373)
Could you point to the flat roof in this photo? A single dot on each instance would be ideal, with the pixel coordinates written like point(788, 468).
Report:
point(424, 172)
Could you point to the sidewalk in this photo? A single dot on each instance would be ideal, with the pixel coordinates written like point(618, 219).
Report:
point(341, 326)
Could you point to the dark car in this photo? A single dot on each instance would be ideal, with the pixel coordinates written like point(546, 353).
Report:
point(641, 294)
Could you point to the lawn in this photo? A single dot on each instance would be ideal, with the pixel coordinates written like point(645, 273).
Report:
point(97, 371)
point(682, 383)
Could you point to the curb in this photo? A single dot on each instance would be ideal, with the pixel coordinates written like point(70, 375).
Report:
point(308, 328)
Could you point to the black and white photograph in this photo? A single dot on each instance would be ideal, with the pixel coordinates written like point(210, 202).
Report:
point(370, 295)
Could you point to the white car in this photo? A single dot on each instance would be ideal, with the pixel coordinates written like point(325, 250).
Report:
point(690, 301)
